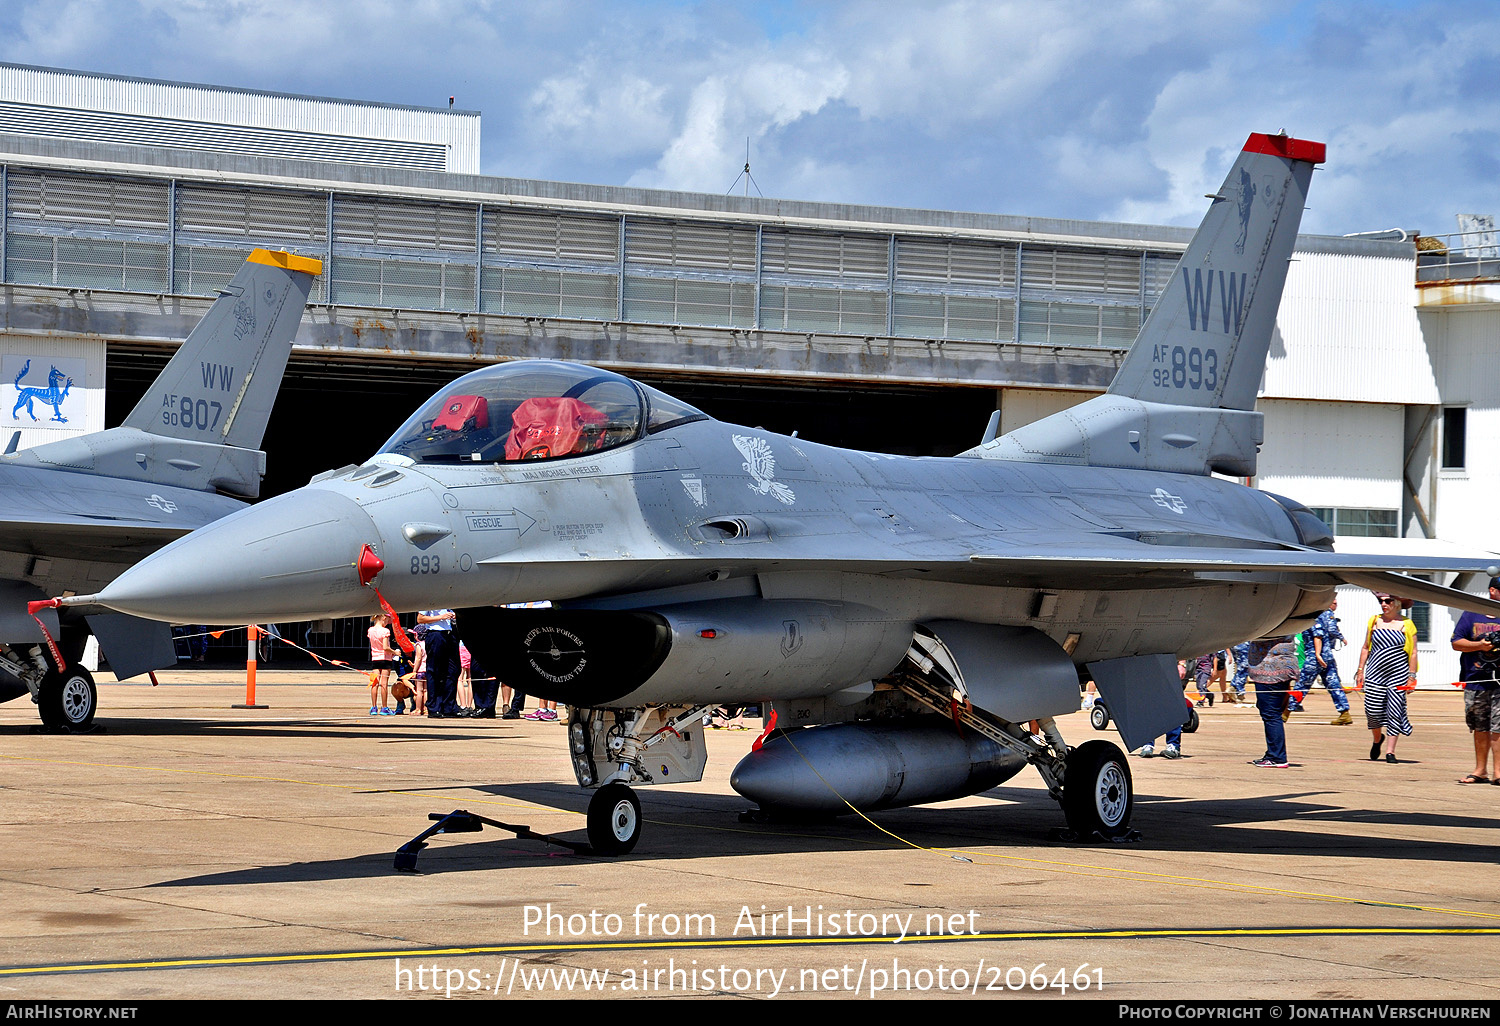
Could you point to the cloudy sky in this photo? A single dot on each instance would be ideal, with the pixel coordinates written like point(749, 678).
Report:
point(1129, 110)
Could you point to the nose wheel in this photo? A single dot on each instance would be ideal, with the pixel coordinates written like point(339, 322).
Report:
point(614, 820)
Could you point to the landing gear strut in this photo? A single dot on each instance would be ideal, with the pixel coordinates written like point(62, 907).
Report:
point(1091, 782)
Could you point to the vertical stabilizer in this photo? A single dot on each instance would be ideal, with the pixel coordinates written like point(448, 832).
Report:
point(1205, 342)
point(1184, 399)
point(220, 384)
point(201, 422)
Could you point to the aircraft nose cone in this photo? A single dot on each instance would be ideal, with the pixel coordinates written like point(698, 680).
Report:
point(289, 558)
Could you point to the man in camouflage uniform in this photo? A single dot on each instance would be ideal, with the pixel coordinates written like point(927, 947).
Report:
point(1241, 654)
point(1318, 642)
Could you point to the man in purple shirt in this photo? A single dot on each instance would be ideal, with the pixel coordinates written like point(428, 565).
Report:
point(1272, 666)
point(1477, 637)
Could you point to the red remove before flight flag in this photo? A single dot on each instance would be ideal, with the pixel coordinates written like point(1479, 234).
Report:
point(770, 726)
point(36, 607)
point(369, 566)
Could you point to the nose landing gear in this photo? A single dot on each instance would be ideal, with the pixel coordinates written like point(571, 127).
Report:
point(614, 820)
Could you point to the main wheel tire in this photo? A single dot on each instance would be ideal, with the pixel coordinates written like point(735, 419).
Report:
point(68, 700)
point(1191, 725)
point(1098, 795)
point(614, 820)
point(1099, 716)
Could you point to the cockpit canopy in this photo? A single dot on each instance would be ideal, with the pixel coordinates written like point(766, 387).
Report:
point(534, 410)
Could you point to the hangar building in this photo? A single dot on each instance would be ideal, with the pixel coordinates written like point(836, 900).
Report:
point(124, 203)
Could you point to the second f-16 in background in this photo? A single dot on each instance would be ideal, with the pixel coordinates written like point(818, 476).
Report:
point(76, 512)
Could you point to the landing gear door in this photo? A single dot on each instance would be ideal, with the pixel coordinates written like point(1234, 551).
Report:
point(133, 645)
point(1144, 695)
point(1016, 673)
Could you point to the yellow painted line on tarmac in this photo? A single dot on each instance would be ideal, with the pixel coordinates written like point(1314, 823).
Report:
point(728, 943)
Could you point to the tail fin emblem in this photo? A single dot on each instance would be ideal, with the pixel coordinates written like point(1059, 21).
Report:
point(1247, 204)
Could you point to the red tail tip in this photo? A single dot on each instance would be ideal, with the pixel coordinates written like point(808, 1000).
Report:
point(1286, 146)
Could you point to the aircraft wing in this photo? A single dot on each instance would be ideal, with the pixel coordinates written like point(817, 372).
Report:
point(77, 536)
point(1376, 572)
point(1129, 565)
point(1184, 559)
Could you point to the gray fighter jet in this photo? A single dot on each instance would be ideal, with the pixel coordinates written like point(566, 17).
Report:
point(77, 512)
point(923, 619)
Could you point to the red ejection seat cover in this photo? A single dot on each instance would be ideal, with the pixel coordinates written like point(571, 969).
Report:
point(460, 410)
point(546, 427)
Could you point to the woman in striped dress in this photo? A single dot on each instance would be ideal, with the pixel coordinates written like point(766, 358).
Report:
point(1387, 670)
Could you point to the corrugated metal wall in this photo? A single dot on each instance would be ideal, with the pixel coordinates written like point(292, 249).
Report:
point(163, 235)
point(1469, 374)
point(1348, 327)
point(1333, 453)
point(74, 105)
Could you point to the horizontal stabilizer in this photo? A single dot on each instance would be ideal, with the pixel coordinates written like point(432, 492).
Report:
point(1425, 591)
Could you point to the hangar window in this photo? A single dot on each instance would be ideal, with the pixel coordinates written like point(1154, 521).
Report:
point(406, 255)
point(1455, 437)
point(86, 231)
point(1079, 324)
point(1350, 522)
point(1071, 270)
point(550, 265)
point(216, 225)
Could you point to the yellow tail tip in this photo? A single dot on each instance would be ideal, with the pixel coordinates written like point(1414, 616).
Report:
point(290, 261)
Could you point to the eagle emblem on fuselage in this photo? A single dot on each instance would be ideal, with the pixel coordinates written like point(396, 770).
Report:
point(760, 463)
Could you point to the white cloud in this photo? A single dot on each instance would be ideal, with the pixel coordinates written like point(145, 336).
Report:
point(724, 111)
point(1070, 109)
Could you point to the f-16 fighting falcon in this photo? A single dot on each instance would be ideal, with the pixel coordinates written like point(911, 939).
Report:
point(907, 619)
point(77, 512)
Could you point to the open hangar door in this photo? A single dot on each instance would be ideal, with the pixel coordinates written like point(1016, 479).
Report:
point(335, 410)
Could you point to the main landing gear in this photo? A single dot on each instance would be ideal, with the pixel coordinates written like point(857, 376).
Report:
point(68, 700)
point(1097, 793)
point(1092, 782)
point(65, 699)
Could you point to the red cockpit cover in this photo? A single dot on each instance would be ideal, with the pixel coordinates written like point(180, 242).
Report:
point(547, 427)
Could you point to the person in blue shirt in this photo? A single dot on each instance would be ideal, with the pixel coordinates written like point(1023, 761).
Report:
point(442, 663)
